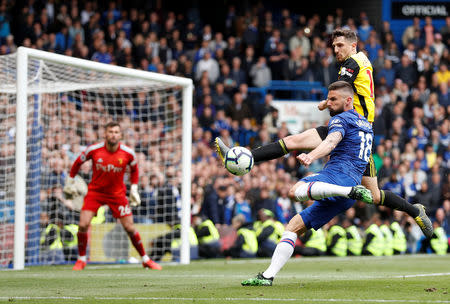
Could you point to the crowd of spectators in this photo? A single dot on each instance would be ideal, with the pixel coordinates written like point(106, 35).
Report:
point(411, 149)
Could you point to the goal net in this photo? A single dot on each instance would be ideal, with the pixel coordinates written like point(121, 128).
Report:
point(51, 108)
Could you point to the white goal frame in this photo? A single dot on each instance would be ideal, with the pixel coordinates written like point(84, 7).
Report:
point(23, 54)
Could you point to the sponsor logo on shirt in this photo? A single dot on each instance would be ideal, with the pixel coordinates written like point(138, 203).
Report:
point(364, 124)
point(108, 168)
point(100, 160)
point(346, 71)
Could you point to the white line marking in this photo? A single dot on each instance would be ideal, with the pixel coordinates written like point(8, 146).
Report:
point(422, 275)
point(228, 299)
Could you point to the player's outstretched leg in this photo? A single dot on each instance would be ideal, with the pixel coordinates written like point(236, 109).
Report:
point(423, 221)
point(361, 193)
point(267, 152)
point(258, 280)
point(221, 148)
point(319, 190)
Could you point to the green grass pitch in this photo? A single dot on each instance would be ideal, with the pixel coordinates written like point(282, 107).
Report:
point(399, 279)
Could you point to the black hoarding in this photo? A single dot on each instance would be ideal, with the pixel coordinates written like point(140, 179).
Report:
point(408, 10)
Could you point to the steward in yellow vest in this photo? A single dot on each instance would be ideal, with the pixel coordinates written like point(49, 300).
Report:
point(354, 240)
point(388, 239)
point(374, 240)
point(70, 241)
point(438, 243)
point(268, 233)
point(246, 244)
point(313, 243)
point(398, 238)
point(51, 247)
point(176, 243)
point(208, 237)
point(337, 241)
point(170, 243)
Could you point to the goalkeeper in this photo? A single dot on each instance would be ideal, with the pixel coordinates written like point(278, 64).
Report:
point(109, 162)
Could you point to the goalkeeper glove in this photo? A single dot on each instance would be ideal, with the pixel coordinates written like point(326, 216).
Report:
point(69, 187)
point(135, 199)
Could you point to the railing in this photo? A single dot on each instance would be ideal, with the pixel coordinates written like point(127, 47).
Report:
point(291, 90)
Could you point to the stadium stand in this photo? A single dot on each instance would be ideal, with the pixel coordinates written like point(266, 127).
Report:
point(240, 65)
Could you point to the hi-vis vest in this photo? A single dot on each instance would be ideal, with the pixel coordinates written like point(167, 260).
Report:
point(340, 248)
point(279, 229)
point(73, 229)
point(100, 217)
point(213, 233)
point(399, 238)
point(439, 244)
point(275, 236)
point(251, 243)
point(317, 240)
point(376, 246)
point(193, 241)
point(388, 240)
point(56, 244)
point(355, 243)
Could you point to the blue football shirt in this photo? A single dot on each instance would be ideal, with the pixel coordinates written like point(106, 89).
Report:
point(352, 154)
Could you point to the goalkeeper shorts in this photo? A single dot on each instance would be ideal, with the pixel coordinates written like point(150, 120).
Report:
point(119, 206)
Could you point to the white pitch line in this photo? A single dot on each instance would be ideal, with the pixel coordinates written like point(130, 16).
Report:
point(228, 299)
point(422, 275)
point(332, 276)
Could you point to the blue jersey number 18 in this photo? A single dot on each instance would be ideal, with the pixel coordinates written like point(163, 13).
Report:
point(366, 146)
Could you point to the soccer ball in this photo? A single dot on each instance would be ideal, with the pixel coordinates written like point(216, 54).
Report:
point(238, 161)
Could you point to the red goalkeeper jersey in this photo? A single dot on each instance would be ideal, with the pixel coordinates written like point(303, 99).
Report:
point(108, 169)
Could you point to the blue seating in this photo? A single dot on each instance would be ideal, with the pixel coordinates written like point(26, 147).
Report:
point(293, 90)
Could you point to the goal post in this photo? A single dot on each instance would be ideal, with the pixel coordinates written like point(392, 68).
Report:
point(43, 79)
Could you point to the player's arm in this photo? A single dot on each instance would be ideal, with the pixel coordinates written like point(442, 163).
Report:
point(135, 199)
point(349, 71)
point(330, 142)
point(204, 231)
point(265, 234)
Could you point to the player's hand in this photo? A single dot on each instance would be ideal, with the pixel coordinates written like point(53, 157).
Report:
point(135, 199)
point(305, 159)
point(322, 105)
point(70, 188)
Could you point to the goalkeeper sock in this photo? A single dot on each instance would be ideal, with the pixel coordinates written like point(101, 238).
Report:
point(393, 201)
point(145, 258)
point(137, 243)
point(282, 253)
point(270, 151)
point(82, 243)
point(320, 190)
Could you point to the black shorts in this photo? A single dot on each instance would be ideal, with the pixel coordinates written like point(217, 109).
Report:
point(371, 171)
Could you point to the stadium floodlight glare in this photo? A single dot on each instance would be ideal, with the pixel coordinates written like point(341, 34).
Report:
point(51, 103)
